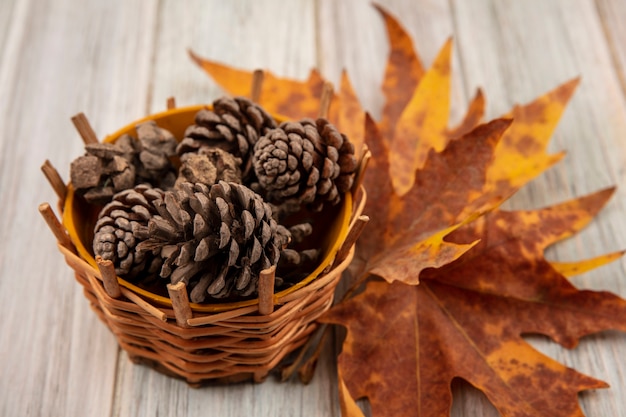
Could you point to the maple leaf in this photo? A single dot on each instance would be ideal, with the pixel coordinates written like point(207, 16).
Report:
point(405, 343)
point(483, 282)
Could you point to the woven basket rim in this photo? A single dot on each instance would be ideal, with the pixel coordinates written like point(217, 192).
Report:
point(338, 232)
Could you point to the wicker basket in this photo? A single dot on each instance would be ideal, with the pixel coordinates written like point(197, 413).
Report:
point(202, 342)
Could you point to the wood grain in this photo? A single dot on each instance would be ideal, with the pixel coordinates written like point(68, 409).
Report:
point(118, 60)
point(59, 58)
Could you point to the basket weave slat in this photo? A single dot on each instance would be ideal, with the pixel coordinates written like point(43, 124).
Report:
point(232, 346)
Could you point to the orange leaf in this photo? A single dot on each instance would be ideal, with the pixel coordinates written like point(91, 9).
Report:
point(236, 82)
point(521, 154)
point(280, 96)
point(422, 125)
point(405, 262)
point(347, 114)
point(570, 269)
point(403, 73)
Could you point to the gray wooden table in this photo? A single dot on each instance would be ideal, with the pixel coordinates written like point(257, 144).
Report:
point(118, 60)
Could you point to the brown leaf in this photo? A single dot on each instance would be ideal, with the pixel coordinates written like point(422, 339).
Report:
point(406, 234)
point(405, 344)
point(403, 73)
point(379, 192)
point(404, 262)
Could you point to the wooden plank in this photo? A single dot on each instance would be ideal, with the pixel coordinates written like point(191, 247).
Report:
point(275, 35)
point(6, 13)
point(58, 58)
point(612, 14)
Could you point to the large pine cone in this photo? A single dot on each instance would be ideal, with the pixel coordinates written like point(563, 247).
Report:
point(121, 226)
point(234, 125)
point(308, 162)
point(216, 239)
point(108, 168)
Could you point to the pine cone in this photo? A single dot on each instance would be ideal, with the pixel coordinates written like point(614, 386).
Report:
point(307, 162)
point(209, 166)
point(234, 125)
point(216, 239)
point(157, 146)
point(108, 168)
point(121, 226)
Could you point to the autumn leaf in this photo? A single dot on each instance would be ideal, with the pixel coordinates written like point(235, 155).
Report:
point(409, 231)
point(483, 279)
point(521, 154)
point(280, 96)
point(405, 343)
point(402, 75)
point(570, 269)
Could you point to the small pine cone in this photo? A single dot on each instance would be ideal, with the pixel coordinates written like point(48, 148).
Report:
point(105, 170)
point(308, 162)
point(216, 239)
point(234, 125)
point(121, 226)
point(157, 146)
point(208, 167)
point(108, 168)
